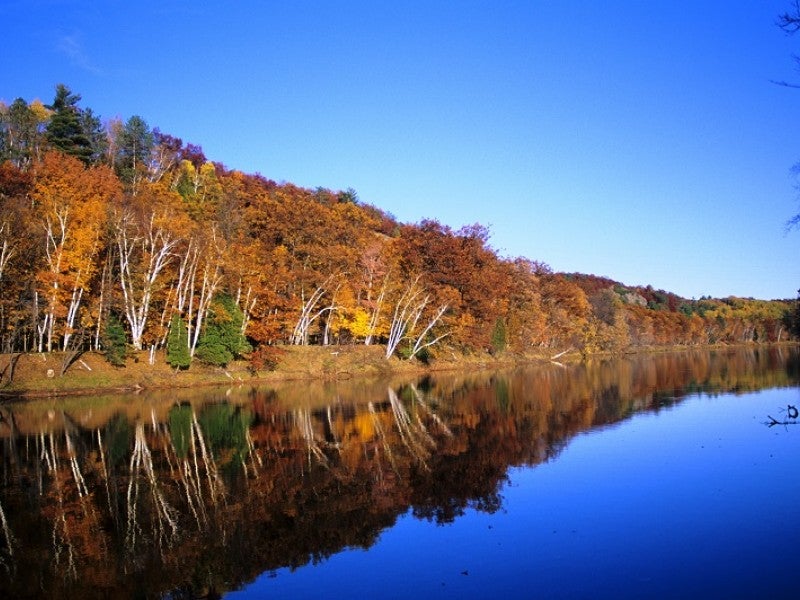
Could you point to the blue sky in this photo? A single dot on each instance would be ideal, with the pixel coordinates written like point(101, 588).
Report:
point(639, 141)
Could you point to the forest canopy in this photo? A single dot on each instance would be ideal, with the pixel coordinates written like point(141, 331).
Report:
point(117, 235)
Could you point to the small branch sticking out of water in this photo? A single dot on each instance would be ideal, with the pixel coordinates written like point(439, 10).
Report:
point(791, 417)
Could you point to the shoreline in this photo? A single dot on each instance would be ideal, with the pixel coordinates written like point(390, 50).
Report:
point(35, 374)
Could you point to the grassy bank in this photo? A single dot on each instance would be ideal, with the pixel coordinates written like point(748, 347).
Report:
point(40, 374)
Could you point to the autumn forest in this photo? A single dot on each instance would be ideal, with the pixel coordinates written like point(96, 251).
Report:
point(118, 237)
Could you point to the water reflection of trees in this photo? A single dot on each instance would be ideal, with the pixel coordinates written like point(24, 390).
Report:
point(191, 496)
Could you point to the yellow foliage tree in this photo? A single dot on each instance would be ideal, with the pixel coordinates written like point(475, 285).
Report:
point(71, 203)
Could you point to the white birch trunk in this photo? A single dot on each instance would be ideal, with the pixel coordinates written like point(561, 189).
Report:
point(56, 237)
point(407, 311)
point(420, 344)
point(101, 304)
point(155, 247)
point(7, 248)
point(308, 316)
point(211, 280)
point(376, 313)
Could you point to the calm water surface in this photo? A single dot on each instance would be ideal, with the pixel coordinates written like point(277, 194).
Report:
point(644, 477)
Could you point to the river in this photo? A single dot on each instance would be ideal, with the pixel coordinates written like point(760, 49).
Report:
point(671, 475)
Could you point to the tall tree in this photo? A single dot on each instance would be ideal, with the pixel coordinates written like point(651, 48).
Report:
point(71, 202)
point(147, 231)
point(197, 277)
point(19, 252)
point(96, 134)
point(22, 132)
point(65, 130)
point(461, 270)
point(134, 143)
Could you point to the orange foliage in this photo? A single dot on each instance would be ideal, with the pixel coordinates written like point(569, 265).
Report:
point(273, 247)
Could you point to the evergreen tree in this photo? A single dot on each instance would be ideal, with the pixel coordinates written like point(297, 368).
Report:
point(114, 342)
point(178, 344)
point(499, 336)
point(134, 144)
point(65, 131)
point(222, 340)
point(96, 133)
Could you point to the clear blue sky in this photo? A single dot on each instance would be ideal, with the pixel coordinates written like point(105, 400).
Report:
point(636, 140)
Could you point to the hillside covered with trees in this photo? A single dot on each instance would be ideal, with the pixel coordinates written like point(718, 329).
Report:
point(116, 236)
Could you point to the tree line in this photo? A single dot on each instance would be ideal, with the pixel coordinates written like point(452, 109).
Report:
point(115, 236)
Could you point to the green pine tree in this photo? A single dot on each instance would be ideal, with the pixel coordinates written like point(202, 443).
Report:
point(114, 342)
point(65, 131)
point(178, 344)
point(96, 134)
point(222, 340)
point(499, 336)
point(135, 140)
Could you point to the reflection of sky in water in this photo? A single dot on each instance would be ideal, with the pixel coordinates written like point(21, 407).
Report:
point(697, 501)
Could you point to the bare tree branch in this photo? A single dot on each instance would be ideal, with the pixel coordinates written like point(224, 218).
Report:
point(790, 21)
